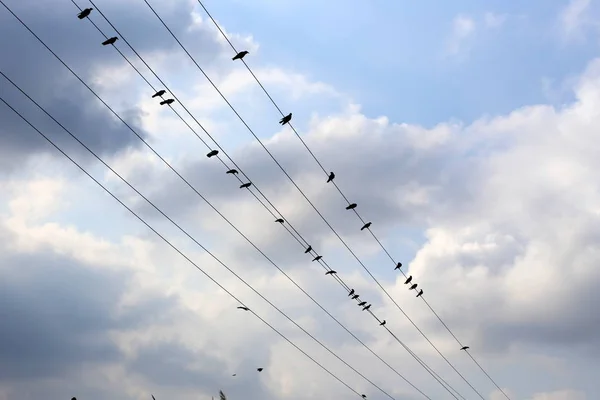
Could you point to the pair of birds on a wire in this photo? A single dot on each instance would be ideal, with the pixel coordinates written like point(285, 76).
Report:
point(353, 295)
point(413, 286)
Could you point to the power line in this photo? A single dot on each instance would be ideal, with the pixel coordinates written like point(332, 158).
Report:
point(176, 249)
point(323, 263)
point(340, 191)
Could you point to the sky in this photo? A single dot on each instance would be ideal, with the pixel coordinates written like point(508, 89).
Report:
point(465, 131)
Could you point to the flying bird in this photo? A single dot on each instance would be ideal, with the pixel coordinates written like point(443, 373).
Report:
point(110, 41)
point(308, 249)
point(280, 220)
point(398, 266)
point(317, 258)
point(244, 308)
point(351, 292)
point(246, 185)
point(240, 55)
point(355, 297)
point(366, 226)
point(84, 13)
point(382, 323)
point(365, 308)
point(331, 177)
point(259, 369)
point(362, 303)
point(408, 280)
point(212, 153)
point(286, 119)
point(232, 171)
point(330, 272)
point(413, 287)
point(465, 348)
point(159, 93)
point(167, 101)
point(351, 206)
point(420, 293)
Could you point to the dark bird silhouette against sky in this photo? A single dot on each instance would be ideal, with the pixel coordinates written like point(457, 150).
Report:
point(398, 266)
point(317, 258)
point(159, 93)
point(331, 177)
point(308, 249)
point(465, 348)
point(111, 40)
point(167, 101)
point(382, 323)
point(413, 287)
point(232, 171)
point(366, 226)
point(351, 206)
point(244, 308)
point(365, 308)
point(330, 272)
point(286, 119)
point(420, 293)
point(84, 13)
point(212, 153)
point(259, 369)
point(280, 220)
point(356, 296)
point(246, 185)
point(240, 55)
point(362, 303)
point(407, 281)
point(351, 292)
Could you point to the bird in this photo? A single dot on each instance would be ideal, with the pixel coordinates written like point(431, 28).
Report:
point(167, 101)
point(330, 272)
point(259, 369)
point(465, 348)
point(365, 308)
point(364, 396)
point(317, 258)
point(308, 249)
point(362, 303)
point(351, 206)
point(110, 41)
point(351, 292)
point(398, 266)
point(74, 398)
point(356, 296)
point(212, 153)
point(366, 226)
point(408, 280)
point(159, 93)
point(234, 375)
point(246, 185)
point(331, 177)
point(240, 55)
point(280, 220)
point(286, 119)
point(420, 293)
point(84, 13)
point(232, 171)
point(244, 308)
point(382, 323)
point(413, 287)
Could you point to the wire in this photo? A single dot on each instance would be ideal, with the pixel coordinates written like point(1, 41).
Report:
point(176, 249)
point(299, 238)
point(340, 191)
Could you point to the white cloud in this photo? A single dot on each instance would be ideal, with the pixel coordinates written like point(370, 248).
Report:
point(560, 395)
point(572, 17)
point(463, 27)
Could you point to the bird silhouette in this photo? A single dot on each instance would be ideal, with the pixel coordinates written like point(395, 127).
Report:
point(365, 308)
point(317, 258)
point(362, 303)
point(234, 375)
point(73, 398)
point(351, 206)
point(407, 281)
point(382, 323)
point(413, 287)
point(420, 293)
point(330, 272)
point(159, 93)
point(398, 266)
point(212, 153)
point(280, 220)
point(331, 177)
point(308, 249)
point(366, 226)
point(246, 185)
point(166, 102)
point(356, 296)
point(110, 41)
point(465, 348)
point(232, 171)
point(364, 396)
point(84, 13)
point(240, 55)
point(286, 119)
point(351, 292)
point(244, 308)
point(259, 369)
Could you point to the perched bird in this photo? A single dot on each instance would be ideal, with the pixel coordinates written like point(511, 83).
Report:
point(167, 101)
point(408, 280)
point(159, 93)
point(398, 266)
point(356, 296)
point(308, 249)
point(234, 375)
point(232, 171)
point(240, 55)
point(351, 292)
point(364, 396)
point(362, 303)
point(420, 293)
point(330, 272)
point(317, 258)
point(382, 323)
point(365, 308)
point(84, 13)
point(280, 220)
point(212, 153)
point(286, 119)
point(246, 185)
point(244, 308)
point(351, 206)
point(331, 177)
point(110, 41)
point(413, 287)
point(465, 348)
point(366, 226)
point(259, 369)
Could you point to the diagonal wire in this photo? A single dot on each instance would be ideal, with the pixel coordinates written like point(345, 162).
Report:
point(343, 195)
